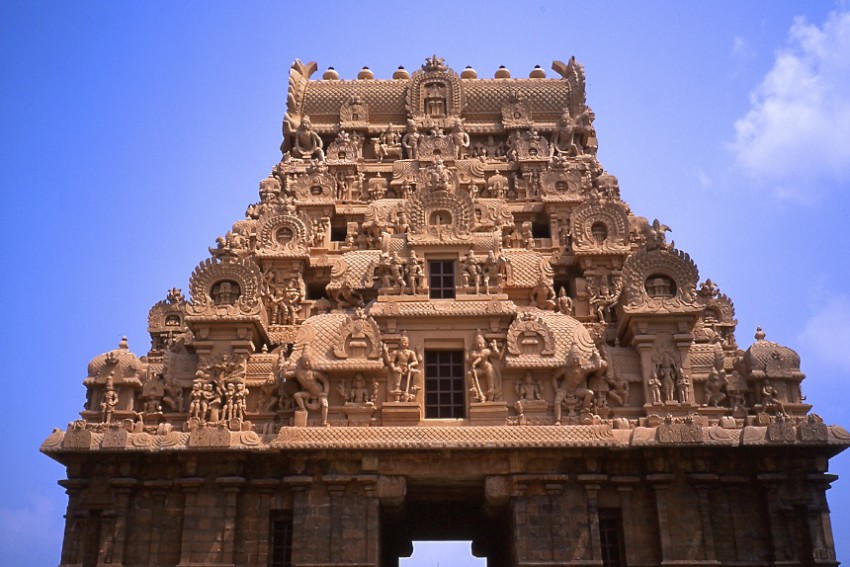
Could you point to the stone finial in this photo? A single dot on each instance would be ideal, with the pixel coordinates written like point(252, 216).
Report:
point(502, 73)
point(469, 73)
point(401, 73)
point(537, 73)
point(365, 74)
point(123, 344)
point(330, 75)
point(759, 336)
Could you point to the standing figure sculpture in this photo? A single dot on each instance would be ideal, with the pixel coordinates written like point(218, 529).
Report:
point(314, 387)
point(482, 372)
point(404, 371)
point(570, 383)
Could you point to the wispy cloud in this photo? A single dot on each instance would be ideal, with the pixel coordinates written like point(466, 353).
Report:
point(796, 135)
point(29, 532)
point(826, 333)
point(742, 53)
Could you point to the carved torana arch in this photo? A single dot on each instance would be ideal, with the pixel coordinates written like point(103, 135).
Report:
point(211, 272)
point(528, 328)
point(433, 83)
point(358, 337)
point(587, 219)
point(270, 234)
point(675, 265)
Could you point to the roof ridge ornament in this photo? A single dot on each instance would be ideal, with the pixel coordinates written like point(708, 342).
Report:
point(435, 64)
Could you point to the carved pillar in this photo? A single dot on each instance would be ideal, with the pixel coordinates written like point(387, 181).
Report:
point(734, 484)
point(625, 486)
point(778, 527)
point(230, 485)
point(592, 483)
point(823, 544)
point(336, 485)
point(190, 486)
point(73, 520)
point(702, 484)
point(159, 492)
point(660, 484)
point(307, 519)
point(266, 487)
point(112, 552)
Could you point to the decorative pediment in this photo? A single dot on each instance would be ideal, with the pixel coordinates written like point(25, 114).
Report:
point(660, 281)
point(358, 337)
point(529, 145)
point(441, 215)
point(600, 227)
point(167, 315)
point(515, 112)
point(282, 233)
point(344, 149)
point(227, 287)
point(530, 335)
point(436, 145)
point(435, 95)
point(316, 185)
point(353, 113)
point(569, 183)
point(492, 214)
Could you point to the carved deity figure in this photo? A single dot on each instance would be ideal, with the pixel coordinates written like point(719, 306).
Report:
point(415, 274)
point(564, 136)
point(714, 385)
point(110, 399)
point(410, 140)
point(564, 303)
point(307, 143)
point(493, 272)
point(770, 399)
point(314, 387)
point(542, 295)
point(403, 365)
point(470, 272)
point(439, 176)
point(570, 383)
point(654, 384)
point(683, 386)
point(619, 392)
point(528, 388)
point(668, 382)
point(358, 393)
point(460, 139)
point(482, 371)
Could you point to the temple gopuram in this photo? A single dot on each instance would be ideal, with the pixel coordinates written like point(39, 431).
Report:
point(441, 321)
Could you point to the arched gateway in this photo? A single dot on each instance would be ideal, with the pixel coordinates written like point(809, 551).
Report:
point(441, 321)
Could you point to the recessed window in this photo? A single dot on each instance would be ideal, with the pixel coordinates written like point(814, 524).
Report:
point(445, 393)
point(441, 277)
point(599, 232)
point(611, 537)
point(281, 540)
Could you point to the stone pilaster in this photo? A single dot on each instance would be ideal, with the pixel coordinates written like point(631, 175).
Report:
point(266, 488)
point(230, 486)
point(113, 542)
point(592, 483)
point(660, 484)
point(74, 520)
point(189, 526)
point(702, 484)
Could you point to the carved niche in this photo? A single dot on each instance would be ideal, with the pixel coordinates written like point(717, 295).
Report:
point(435, 95)
point(530, 335)
point(225, 287)
point(529, 145)
point(600, 227)
point(315, 185)
point(165, 319)
point(358, 337)
point(492, 214)
point(570, 182)
point(283, 234)
point(515, 112)
point(440, 214)
point(344, 149)
point(660, 281)
point(434, 145)
point(353, 113)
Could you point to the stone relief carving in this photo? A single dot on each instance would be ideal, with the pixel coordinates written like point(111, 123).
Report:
point(403, 365)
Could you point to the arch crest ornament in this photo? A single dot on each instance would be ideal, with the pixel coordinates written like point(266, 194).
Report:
point(316, 185)
point(588, 221)
point(358, 337)
point(282, 233)
point(673, 267)
point(529, 334)
point(440, 214)
point(434, 95)
point(206, 282)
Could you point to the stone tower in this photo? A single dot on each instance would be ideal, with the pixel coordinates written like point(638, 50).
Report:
point(441, 321)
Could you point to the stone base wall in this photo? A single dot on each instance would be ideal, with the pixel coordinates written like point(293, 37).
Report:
point(540, 508)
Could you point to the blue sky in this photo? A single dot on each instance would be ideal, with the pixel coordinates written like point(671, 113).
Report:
point(133, 134)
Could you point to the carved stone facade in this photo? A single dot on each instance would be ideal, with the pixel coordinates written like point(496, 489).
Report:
point(441, 321)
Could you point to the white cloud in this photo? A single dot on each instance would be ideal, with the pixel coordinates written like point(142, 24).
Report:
point(827, 334)
point(797, 131)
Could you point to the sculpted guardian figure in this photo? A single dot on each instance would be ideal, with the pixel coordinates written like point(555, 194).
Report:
point(314, 387)
point(307, 143)
point(570, 383)
point(404, 370)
